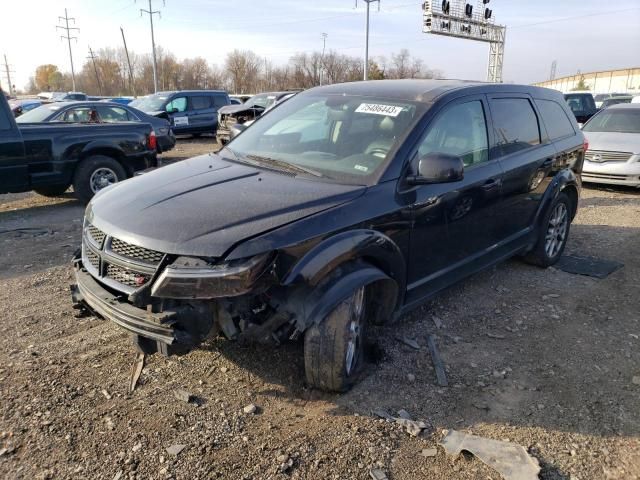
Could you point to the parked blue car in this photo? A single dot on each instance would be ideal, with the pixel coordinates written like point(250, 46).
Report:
point(190, 111)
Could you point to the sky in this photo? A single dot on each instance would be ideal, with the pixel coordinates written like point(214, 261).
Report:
point(585, 35)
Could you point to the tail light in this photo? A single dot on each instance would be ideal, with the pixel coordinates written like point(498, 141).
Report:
point(152, 142)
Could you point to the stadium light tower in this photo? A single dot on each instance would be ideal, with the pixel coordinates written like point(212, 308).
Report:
point(460, 19)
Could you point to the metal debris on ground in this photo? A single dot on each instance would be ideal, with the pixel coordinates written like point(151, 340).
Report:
point(413, 427)
point(378, 474)
point(589, 266)
point(429, 452)
point(510, 460)
point(136, 370)
point(436, 321)
point(437, 361)
point(408, 341)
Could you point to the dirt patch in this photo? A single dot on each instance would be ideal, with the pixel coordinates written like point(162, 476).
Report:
point(551, 373)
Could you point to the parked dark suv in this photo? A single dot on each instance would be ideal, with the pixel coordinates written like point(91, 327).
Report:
point(189, 111)
point(347, 205)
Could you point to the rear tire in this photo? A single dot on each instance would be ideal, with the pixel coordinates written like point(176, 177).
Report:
point(52, 190)
point(334, 348)
point(554, 233)
point(95, 173)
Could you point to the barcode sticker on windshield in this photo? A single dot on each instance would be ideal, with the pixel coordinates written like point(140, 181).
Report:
point(379, 109)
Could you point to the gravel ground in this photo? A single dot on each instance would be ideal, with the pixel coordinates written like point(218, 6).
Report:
point(541, 358)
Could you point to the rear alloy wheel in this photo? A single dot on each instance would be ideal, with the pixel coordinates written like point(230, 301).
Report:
point(553, 234)
point(95, 173)
point(333, 349)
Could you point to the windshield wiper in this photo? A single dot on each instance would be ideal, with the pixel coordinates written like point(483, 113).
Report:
point(281, 164)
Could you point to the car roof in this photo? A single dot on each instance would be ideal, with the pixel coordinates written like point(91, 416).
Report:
point(620, 106)
point(426, 91)
point(171, 92)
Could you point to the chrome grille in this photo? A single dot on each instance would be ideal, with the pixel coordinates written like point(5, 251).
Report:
point(96, 235)
point(93, 258)
point(599, 156)
point(134, 252)
point(126, 277)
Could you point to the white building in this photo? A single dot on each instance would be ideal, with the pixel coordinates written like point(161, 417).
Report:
point(611, 81)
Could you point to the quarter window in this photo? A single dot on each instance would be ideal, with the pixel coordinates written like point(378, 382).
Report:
point(460, 130)
point(515, 124)
point(555, 119)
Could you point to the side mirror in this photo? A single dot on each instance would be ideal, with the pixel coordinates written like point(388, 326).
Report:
point(438, 168)
point(236, 129)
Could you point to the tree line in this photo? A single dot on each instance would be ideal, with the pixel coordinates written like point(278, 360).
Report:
point(243, 71)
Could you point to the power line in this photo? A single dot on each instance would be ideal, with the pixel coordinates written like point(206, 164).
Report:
point(8, 73)
point(151, 13)
point(93, 57)
point(68, 37)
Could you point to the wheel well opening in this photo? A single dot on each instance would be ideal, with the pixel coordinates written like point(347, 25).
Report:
point(572, 193)
point(111, 153)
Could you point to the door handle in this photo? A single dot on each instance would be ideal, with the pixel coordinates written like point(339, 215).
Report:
point(491, 184)
point(547, 163)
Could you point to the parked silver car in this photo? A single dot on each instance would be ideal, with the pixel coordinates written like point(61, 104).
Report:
point(613, 156)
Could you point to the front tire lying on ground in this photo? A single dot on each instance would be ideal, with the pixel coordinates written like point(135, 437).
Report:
point(334, 348)
point(95, 173)
point(554, 233)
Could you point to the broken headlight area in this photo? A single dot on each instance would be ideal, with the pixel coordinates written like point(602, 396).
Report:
point(195, 278)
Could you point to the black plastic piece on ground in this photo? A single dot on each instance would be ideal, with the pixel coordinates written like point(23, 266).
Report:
point(590, 266)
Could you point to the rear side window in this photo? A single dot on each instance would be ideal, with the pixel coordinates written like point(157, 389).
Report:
point(555, 119)
point(200, 103)
point(515, 124)
point(113, 114)
point(580, 102)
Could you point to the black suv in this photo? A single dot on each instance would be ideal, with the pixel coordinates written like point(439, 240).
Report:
point(348, 205)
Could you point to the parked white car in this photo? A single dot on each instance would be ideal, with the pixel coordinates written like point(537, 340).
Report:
point(613, 156)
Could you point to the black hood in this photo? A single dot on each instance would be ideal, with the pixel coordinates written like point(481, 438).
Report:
point(227, 109)
point(205, 205)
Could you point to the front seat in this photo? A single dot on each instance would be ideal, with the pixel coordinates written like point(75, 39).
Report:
point(382, 144)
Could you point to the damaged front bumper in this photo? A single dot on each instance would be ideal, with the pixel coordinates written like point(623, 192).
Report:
point(87, 292)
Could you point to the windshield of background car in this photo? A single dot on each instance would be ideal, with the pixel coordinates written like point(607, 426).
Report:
point(614, 120)
point(39, 114)
point(263, 100)
point(151, 103)
point(345, 138)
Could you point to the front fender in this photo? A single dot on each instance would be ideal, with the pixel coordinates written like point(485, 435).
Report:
point(310, 306)
point(369, 245)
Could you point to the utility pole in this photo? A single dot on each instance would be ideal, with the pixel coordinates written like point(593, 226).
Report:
point(126, 50)
point(554, 66)
point(68, 37)
point(8, 74)
point(151, 13)
point(366, 45)
point(324, 46)
point(92, 56)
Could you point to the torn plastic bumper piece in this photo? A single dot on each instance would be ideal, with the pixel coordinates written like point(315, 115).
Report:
point(156, 326)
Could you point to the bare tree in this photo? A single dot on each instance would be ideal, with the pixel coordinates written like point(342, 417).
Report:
point(243, 68)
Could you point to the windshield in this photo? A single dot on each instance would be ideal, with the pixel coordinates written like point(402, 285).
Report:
point(39, 114)
point(263, 100)
point(621, 120)
point(344, 138)
point(150, 103)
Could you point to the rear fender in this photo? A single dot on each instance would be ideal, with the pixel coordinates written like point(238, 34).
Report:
point(565, 179)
